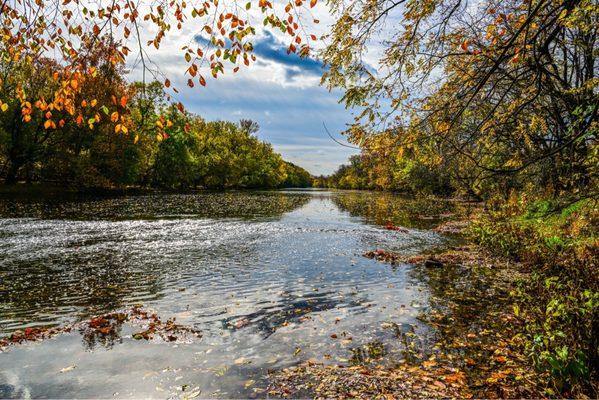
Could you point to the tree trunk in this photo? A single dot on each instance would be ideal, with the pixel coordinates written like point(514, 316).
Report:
point(12, 173)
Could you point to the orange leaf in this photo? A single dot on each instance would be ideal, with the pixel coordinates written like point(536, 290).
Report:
point(465, 44)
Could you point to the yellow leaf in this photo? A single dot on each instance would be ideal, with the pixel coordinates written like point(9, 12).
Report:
point(4, 107)
point(136, 139)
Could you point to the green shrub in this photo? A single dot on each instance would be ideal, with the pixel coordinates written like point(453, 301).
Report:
point(559, 299)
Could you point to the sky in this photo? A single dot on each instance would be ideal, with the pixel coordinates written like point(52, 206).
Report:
point(281, 92)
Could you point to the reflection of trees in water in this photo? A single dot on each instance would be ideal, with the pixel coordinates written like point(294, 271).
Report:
point(380, 208)
point(290, 308)
point(155, 206)
point(92, 283)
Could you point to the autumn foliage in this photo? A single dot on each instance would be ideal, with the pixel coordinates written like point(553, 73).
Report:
point(67, 32)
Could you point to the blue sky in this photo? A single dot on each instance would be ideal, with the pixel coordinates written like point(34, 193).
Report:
point(290, 105)
point(281, 92)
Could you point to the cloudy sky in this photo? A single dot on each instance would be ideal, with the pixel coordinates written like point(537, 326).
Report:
point(281, 92)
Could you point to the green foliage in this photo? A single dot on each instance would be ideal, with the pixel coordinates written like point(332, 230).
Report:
point(162, 147)
point(372, 170)
point(296, 176)
point(559, 300)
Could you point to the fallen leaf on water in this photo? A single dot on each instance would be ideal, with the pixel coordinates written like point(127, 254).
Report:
point(192, 394)
point(67, 369)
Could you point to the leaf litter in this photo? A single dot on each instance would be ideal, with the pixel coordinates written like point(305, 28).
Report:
point(476, 349)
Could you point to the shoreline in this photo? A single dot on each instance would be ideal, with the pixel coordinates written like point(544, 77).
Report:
point(478, 350)
point(43, 189)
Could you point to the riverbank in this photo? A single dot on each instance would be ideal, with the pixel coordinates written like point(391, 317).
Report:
point(478, 350)
point(514, 310)
point(49, 189)
point(288, 292)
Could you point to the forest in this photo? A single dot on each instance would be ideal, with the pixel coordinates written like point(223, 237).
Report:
point(158, 147)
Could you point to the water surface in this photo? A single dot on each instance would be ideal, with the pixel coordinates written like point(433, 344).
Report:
point(270, 278)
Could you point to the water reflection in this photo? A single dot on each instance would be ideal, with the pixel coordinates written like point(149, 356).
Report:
point(382, 207)
point(295, 309)
point(270, 279)
point(233, 204)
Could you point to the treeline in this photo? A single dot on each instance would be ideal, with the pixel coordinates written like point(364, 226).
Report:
point(390, 171)
point(504, 100)
point(413, 161)
point(143, 140)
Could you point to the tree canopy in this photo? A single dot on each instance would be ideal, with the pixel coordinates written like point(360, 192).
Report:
point(486, 92)
point(69, 31)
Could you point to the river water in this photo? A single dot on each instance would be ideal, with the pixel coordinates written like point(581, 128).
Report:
point(269, 278)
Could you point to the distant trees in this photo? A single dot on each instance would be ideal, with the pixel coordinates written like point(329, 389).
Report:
point(151, 142)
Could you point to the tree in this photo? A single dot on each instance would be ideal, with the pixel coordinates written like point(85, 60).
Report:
point(506, 87)
point(67, 31)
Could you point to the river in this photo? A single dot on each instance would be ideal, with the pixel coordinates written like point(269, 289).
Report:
point(269, 278)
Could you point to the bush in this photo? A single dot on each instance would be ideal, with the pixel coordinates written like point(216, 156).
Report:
point(557, 242)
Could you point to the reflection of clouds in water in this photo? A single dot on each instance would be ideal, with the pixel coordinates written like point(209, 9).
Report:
point(11, 386)
point(258, 285)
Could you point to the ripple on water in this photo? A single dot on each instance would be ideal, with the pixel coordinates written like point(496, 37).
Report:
point(260, 284)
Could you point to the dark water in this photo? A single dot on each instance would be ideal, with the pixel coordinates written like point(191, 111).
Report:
point(267, 277)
